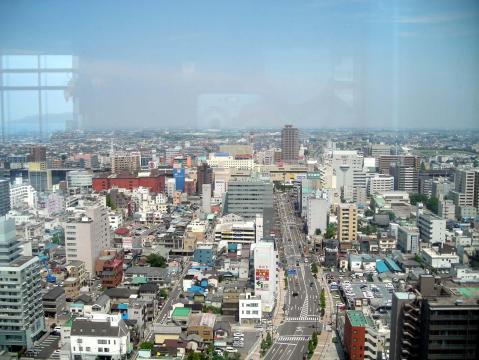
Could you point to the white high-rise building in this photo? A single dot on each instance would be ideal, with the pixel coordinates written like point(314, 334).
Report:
point(432, 228)
point(22, 194)
point(265, 274)
point(345, 164)
point(317, 214)
point(87, 233)
point(378, 183)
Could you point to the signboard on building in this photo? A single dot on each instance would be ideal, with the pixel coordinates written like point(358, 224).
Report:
point(262, 274)
point(316, 175)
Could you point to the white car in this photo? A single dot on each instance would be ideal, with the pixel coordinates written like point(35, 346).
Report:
point(238, 334)
point(230, 349)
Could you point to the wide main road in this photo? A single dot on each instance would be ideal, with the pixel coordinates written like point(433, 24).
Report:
point(302, 298)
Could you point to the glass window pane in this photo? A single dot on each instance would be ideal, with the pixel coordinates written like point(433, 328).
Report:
point(19, 62)
point(55, 79)
point(20, 79)
point(57, 111)
point(21, 111)
point(56, 61)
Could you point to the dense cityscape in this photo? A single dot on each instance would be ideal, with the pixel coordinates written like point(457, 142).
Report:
point(275, 244)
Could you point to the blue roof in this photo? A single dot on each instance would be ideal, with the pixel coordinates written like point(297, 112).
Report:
point(195, 289)
point(392, 265)
point(222, 153)
point(381, 266)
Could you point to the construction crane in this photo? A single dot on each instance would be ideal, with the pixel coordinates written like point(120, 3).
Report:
point(50, 278)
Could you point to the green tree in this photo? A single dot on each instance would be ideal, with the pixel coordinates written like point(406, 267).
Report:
point(164, 293)
point(416, 198)
point(392, 216)
point(322, 301)
point(109, 202)
point(156, 260)
point(146, 345)
point(269, 339)
point(193, 356)
point(317, 232)
point(314, 337)
point(433, 204)
point(314, 268)
point(423, 166)
point(330, 231)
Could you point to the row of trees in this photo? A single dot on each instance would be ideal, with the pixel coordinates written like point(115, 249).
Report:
point(266, 343)
point(432, 203)
point(312, 343)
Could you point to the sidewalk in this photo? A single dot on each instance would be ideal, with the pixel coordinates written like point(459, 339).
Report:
point(324, 340)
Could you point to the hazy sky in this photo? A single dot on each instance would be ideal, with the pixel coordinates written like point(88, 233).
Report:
point(261, 63)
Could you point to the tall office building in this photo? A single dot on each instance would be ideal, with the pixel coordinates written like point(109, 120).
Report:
point(347, 225)
point(250, 196)
point(406, 178)
point(348, 167)
point(290, 144)
point(377, 150)
point(125, 162)
point(435, 322)
point(379, 183)
point(464, 187)
point(87, 233)
point(4, 197)
point(204, 175)
point(385, 161)
point(37, 154)
point(22, 318)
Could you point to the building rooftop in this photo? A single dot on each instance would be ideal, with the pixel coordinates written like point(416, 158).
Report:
point(181, 311)
point(356, 318)
point(54, 293)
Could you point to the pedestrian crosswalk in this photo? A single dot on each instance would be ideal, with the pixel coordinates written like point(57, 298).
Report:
point(286, 338)
point(303, 318)
point(304, 309)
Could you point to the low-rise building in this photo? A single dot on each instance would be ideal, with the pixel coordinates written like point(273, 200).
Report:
point(250, 309)
point(408, 239)
point(54, 301)
point(202, 324)
point(438, 260)
point(72, 287)
point(104, 336)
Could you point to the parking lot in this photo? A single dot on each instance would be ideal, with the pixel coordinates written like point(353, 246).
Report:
point(46, 348)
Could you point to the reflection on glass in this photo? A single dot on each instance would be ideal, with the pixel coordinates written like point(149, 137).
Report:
point(34, 93)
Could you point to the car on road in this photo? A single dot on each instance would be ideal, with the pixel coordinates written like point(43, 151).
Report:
point(238, 334)
point(230, 349)
point(219, 352)
point(311, 284)
point(295, 294)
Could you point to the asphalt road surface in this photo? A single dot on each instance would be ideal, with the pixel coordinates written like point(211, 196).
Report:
point(302, 297)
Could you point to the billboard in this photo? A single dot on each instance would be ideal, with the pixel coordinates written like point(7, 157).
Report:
point(262, 275)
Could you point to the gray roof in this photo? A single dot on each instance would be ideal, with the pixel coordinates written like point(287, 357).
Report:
point(83, 298)
point(54, 293)
point(119, 293)
point(86, 327)
point(147, 271)
point(102, 300)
